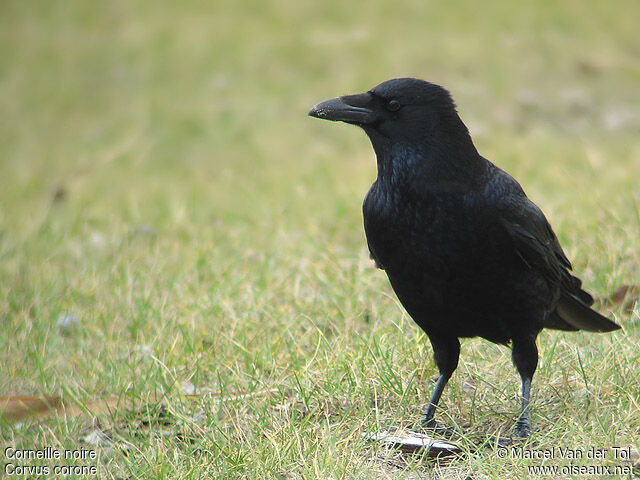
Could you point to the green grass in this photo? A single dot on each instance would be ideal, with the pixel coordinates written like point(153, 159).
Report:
point(160, 182)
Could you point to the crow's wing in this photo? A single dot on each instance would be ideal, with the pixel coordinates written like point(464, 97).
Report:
point(536, 243)
point(533, 239)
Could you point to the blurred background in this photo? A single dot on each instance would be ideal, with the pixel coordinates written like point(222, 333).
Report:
point(117, 101)
point(169, 214)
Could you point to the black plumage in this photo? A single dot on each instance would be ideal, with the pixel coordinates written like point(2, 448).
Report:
point(466, 252)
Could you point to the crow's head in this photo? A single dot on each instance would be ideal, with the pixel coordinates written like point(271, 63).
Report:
point(402, 110)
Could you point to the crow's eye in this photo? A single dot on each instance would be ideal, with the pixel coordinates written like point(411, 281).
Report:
point(393, 105)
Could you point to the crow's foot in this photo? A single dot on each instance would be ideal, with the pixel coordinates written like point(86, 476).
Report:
point(430, 427)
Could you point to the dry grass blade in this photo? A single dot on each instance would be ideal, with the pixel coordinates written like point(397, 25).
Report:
point(16, 407)
point(624, 298)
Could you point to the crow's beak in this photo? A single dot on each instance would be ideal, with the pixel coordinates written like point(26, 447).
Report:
point(350, 109)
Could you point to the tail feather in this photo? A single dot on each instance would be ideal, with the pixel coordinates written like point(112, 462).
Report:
point(573, 311)
point(573, 286)
point(556, 322)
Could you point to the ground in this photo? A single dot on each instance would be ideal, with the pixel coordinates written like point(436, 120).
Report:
point(183, 271)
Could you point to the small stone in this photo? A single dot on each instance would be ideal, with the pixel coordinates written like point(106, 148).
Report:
point(188, 388)
point(96, 437)
point(145, 350)
point(67, 323)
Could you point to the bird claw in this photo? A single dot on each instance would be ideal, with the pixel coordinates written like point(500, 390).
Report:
point(521, 430)
point(430, 426)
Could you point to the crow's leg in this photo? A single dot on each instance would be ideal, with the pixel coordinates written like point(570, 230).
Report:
point(446, 351)
point(525, 358)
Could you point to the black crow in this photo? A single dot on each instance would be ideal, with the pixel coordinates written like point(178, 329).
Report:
point(466, 252)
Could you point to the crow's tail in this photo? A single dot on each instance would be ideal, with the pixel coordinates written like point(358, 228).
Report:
point(577, 314)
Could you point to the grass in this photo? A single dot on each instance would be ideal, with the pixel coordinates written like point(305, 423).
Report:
point(162, 189)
